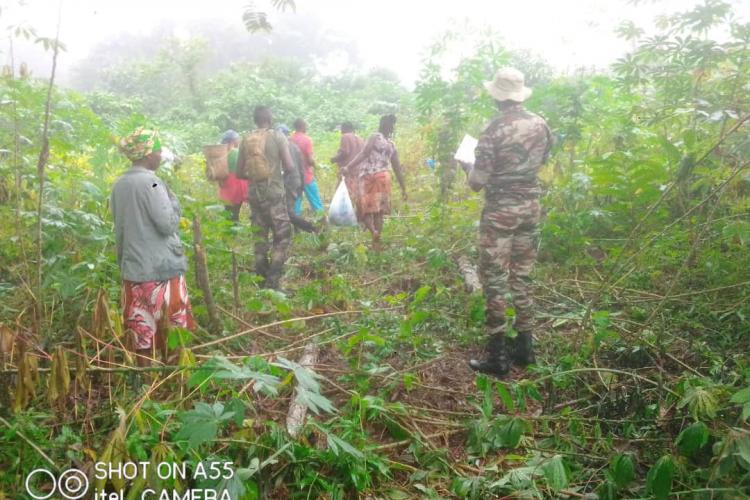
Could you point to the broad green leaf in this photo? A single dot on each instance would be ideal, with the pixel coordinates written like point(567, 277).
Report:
point(314, 401)
point(555, 473)
point(337, 444)
point(659, 478)
point(421, 294)
point(532, 391)
point(673, 154)
point(700, 401)
point(743, 447)
point(692, 438)
point(221, 368)
point(201, 424)
point(622, 469)
point(178, 337)
point(237, 407)
point(505, 396)
point(742, 396)
point(512, 431)
point(745, 412)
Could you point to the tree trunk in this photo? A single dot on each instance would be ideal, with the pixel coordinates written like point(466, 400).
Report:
point(201, 276)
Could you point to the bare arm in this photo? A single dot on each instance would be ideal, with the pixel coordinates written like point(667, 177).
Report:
point(345, 151)
point(399, 171)
point(360, 156)
point(341, 154)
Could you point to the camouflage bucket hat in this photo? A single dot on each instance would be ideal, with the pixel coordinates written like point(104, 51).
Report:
point(508, 85)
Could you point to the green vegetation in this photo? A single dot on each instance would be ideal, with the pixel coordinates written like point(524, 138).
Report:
point(642, 387)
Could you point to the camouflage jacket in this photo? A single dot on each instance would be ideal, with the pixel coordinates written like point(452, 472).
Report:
point(510, 152)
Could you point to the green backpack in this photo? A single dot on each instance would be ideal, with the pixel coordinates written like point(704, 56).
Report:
point(256, 167)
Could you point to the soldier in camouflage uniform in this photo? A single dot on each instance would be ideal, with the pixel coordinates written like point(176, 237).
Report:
point(509, 155)
point(267, 201)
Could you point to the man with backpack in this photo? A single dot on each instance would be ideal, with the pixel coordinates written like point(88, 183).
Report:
point(263, 159)
point(294, 180)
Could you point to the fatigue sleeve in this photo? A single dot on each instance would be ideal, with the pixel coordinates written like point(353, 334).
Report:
point(283, 147)
point(484, 161)
point(281, 140)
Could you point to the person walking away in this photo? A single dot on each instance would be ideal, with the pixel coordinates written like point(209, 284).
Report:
point(303, 141)
point(263, 159)
point(233, 190)
point(293, 184)
point(509, 155)
point(149, 251)
point(372, 165)
point(350, 146)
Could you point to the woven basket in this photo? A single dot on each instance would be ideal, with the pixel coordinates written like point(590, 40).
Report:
point(217, 162)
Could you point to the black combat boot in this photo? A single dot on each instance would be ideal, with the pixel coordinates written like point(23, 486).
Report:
point(497, 362)
point(273, 279)
point(523, 351)
point(261, 270)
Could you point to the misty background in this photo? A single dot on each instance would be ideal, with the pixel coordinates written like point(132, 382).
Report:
point(106, 39)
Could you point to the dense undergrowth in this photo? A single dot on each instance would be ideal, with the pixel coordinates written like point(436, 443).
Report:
point(642, 386)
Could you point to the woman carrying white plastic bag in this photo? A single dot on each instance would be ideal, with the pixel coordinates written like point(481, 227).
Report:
point(341, 212)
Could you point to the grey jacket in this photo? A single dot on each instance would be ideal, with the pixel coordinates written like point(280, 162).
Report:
point(147, 217)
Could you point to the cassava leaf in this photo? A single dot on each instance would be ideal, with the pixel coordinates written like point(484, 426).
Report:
point(622, 469)
point(336, 444)
point(659, 478)
point(511, 432)
point(742, 396)
point(201, 424)
point(555, 474)
point(692, 438)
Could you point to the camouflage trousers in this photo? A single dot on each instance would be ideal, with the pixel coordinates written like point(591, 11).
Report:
point(270, 215)
point(507, 244)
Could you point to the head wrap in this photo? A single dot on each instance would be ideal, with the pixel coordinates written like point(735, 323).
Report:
point(283, 129)
point(141, 143)
point(229, 136)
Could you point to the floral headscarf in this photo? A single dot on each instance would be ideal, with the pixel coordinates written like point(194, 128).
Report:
point(140, 144)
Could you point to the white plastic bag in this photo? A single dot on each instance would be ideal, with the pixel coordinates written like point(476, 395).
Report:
point(341, 211)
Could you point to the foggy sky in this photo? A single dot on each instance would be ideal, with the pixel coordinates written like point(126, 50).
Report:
point(390, 33)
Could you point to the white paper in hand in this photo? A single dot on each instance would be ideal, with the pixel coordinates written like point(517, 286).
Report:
point(465, 152)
